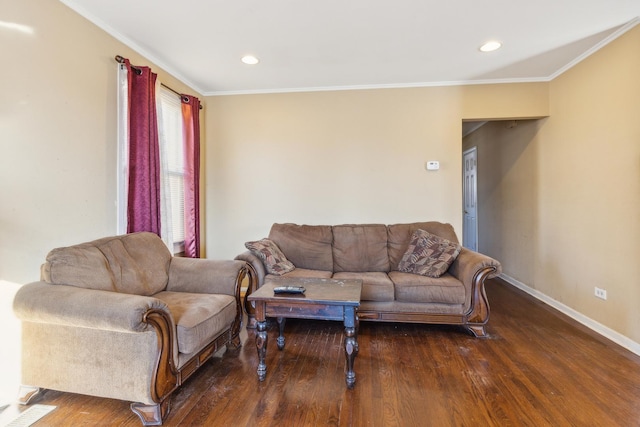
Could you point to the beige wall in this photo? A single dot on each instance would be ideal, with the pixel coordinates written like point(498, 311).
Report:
point(560, 196)
point(57, 133)
point(504, 101)
point(590, 187)
point(342, 156)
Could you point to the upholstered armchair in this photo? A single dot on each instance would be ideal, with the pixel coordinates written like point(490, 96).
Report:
point(121, 318)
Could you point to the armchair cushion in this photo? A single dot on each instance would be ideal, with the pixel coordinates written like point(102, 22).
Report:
point(198, 317)
point(136, 263)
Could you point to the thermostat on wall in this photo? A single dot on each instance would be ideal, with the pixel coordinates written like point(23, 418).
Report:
point(433, 165)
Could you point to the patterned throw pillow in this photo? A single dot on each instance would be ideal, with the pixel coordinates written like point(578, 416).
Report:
point(428, 255)
point(272, 257)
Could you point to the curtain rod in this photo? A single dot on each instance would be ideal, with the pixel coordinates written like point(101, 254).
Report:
point(138, 71)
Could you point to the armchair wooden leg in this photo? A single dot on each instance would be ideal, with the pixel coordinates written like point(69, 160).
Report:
point(151, 415)
point(26, 394)
point(234, 343)
point(477, 330)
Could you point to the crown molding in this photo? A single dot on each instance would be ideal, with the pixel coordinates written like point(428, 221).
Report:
point(175, 73)
point(130, 44)
point(611, 37)
point(379, 86)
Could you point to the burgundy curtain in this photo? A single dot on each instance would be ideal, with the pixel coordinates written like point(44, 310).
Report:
point(191, 126)
point(143, 211)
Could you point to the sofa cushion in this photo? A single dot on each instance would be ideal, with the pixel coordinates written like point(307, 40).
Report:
point(136, 263)
point(428, 255)
point(306, 246)
point(199, 318)
point(375, 286)
point(272, 257)
point(422, 289)
point(306, 273)
point(360, 248)
point(399, 236)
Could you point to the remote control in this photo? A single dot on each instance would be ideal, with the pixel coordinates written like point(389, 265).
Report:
point(288, 290)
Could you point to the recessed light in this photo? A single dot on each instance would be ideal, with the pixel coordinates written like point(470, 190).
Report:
point(490, 46)
point(250, 60)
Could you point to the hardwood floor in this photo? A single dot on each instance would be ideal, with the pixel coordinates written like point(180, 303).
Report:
point(536, 368)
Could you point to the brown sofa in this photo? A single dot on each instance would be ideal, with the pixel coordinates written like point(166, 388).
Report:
point(372, 252)
point(121, 318)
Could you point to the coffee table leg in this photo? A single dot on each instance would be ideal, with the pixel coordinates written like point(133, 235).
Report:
point(261, 345)
point(261, 339)
point(357, 329)
point(280, 340)
point(350, 344)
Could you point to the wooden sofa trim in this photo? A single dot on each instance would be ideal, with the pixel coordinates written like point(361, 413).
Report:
point(252, 285)
point(478, 316)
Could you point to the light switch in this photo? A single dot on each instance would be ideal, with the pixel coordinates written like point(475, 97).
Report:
point(433, 165)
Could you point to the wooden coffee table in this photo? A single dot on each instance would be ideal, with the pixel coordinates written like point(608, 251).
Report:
point(324, 299)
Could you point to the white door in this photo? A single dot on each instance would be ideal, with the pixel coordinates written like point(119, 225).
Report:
point(470, 194)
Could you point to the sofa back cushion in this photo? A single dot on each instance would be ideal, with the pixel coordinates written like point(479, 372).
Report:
point(360, 248)
point(399, 236)
point(136, 263)
point(306, 246)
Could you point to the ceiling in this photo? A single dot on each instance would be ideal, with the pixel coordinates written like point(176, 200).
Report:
point(352, 44)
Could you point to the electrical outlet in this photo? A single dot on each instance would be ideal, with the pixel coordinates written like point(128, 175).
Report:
point(601, 293)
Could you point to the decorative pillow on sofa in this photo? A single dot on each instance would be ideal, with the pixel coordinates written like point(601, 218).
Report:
point(274, 260)
point(428, 254)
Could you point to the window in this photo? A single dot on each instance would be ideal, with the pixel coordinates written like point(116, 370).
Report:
point(172, 160)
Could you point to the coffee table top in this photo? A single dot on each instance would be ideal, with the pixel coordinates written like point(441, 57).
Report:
point(323, 291)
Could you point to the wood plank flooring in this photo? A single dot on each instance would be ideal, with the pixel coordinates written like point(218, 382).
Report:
point(536, 368)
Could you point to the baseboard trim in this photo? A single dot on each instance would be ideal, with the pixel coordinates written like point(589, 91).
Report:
point(597, 327)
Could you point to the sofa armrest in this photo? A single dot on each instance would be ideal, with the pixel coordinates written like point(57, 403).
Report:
point(104, 313)
point(257, 265)
point(206, 276)
point(256, 275)
point(469, 262)
point(42, 302)
point(472, 269)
